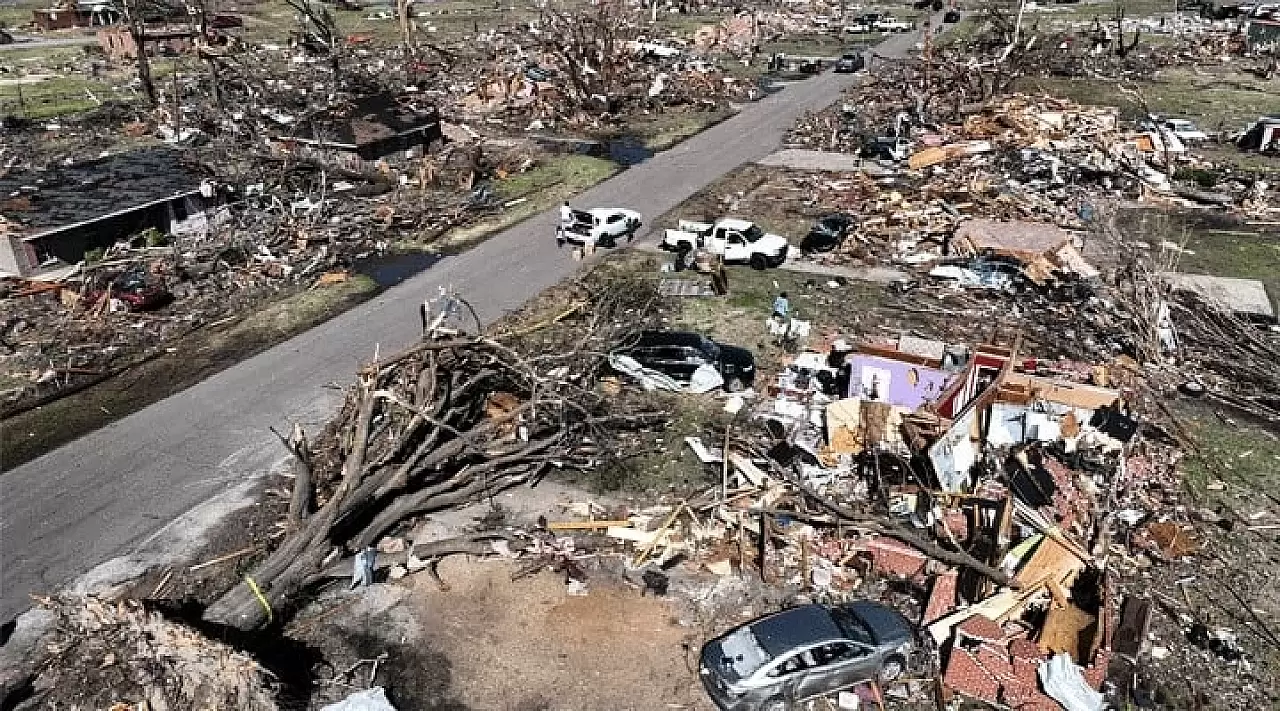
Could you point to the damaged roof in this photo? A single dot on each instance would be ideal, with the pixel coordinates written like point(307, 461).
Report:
point(369, 119)
point(44, 199)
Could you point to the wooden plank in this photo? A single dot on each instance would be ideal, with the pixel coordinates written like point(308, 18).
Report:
point(1135, 618)
point(748, 470)
point(1068, 629)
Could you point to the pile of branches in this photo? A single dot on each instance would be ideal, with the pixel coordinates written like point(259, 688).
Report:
point(454, 419)
point(119, 654)
point(1238, 355)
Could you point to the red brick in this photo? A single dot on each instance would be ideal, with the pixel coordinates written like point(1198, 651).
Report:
point(980, 628)
point(942, 596)
point(889, 556)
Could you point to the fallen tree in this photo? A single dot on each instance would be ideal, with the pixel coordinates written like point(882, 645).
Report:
point(453, 419)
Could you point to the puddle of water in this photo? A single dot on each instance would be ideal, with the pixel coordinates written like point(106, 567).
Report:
point(394, 268)
point(628, 151)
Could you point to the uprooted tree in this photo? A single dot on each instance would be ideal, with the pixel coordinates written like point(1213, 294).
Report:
point(451, 420)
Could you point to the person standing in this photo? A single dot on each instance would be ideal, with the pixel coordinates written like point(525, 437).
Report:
point(566, 221)
point(781, 307)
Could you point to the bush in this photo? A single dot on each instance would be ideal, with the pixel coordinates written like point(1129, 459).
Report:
point(94, 255)
point(1199, 176)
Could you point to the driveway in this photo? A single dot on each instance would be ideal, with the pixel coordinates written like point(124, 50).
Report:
point(113, 492)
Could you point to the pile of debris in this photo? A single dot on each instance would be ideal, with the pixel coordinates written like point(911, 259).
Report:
point(120, 655)
point(977, 477)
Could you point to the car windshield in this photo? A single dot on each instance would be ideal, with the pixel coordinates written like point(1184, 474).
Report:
point(711, 348)
point(741, 654)
point(753, 233)
point(849, 57)
point(853, 627)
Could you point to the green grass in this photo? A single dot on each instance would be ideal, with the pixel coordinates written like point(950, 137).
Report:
point(739, 317)
point(662, 131)
point(557, 179)
point(1104, 10)
point(1238, 453)
point(1217, 102)
point(1227, 252)
point(57, 96)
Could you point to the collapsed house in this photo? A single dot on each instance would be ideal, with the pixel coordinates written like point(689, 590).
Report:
point(50, 218)
point(991, 467)
point(365, 129)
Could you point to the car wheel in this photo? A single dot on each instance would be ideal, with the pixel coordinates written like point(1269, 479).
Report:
point(892, 669)
point(734, 385)
point(775, 705)
point(758, 262)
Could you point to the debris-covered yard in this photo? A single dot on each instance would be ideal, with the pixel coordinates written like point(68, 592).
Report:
point(296, 158)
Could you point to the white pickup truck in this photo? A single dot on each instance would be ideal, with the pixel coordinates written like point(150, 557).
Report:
point(890, 24)
point(735, 240)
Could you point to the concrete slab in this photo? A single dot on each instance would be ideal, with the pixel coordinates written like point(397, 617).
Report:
point(804, 159)
point(1243, 296)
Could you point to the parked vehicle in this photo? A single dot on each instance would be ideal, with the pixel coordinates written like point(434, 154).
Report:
point(735, 240)
point(602, 226)
point(850, 63)
point(889, 24)
point(827, 233)
point(1185, 130)
point(677, 354)
point(135, 290)
point(887, 148)
point(857, 28)
point(803, 653)
point(952, 17)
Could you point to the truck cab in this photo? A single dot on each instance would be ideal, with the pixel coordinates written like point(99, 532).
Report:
point(735, 240)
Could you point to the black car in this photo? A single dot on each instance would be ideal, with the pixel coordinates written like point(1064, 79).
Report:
point(678, 354)
point(850, 63)
point(827, 233)
point(952, 17)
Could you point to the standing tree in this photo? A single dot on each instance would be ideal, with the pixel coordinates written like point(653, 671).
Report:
point(320, 30)
point(589, 45)
point(135, 12)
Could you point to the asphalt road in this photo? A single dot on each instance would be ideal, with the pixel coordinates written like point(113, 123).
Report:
point(104, 495)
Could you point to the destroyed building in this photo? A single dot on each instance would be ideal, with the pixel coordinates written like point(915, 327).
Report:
point(368, 128)
point(118, 42)
point(82, 13)
point(52, 217)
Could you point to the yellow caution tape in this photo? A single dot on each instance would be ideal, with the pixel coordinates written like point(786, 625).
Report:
point(261, 598)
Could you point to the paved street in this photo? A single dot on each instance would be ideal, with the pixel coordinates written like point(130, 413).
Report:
point(105, 494)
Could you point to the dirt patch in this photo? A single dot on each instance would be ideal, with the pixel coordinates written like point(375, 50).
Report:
point(528, 644)
point(491, 643)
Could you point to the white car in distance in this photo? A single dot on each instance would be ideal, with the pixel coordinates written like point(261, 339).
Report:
point(1185, 130)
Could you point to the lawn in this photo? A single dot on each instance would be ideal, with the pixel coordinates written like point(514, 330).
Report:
point(1221, 251)
point(1224, 101)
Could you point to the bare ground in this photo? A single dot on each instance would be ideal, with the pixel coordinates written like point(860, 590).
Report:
point(526, 645)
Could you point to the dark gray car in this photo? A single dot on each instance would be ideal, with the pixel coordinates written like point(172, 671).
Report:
point(805, 652)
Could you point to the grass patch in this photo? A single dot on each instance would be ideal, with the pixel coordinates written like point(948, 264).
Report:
point(662, 131)
point(739, 318)
point(1237, 452)
point(1225, 251)
point(26, 436)
point(554, 181)
point(1222, 102)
